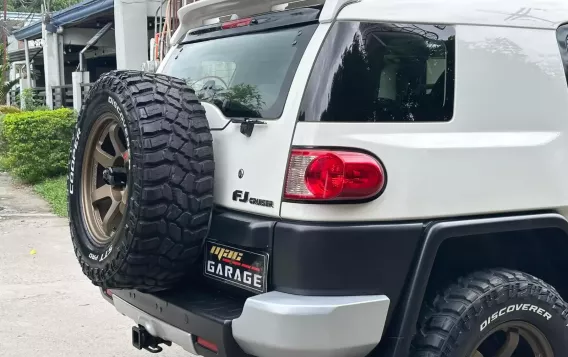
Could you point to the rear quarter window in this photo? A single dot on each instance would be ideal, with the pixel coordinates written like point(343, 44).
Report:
point(562, 37)
point(377, 72)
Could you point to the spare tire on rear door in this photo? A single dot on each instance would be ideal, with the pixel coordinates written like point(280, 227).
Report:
point(140, 181)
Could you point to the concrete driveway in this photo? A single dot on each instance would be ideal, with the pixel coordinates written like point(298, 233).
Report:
point(47, 306)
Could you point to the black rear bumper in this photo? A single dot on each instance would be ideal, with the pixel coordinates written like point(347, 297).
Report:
point(329, 259)
point(302, 252)
point(306, 259)
point(201, 311)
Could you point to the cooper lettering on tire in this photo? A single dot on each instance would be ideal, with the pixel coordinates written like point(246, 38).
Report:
point(140, 181)
point(496, 313)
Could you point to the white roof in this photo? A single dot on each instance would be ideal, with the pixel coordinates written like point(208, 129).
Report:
point(546, 14)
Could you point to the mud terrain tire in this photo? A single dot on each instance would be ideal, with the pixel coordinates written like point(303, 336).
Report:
point(497, 312)
point(169, 182)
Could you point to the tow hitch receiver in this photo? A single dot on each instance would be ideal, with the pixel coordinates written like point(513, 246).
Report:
point(142, 339)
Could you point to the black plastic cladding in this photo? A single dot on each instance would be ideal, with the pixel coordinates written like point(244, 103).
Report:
point(330, 259)
point(398, 336)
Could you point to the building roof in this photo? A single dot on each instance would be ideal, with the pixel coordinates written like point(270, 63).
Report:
point(17, 20)
point(71, 15)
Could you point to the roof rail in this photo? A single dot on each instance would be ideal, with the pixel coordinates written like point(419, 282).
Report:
point(197, 13)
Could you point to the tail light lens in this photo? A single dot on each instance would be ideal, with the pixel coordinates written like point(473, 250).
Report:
point(333, 176)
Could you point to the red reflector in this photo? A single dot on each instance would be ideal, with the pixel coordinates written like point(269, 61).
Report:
point(108, 292)
point(209, 345)
point(236, 23)
point(333, 175)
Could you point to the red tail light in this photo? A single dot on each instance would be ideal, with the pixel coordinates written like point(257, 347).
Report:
point(207, 344)
point(236, 23)
point(333, 176)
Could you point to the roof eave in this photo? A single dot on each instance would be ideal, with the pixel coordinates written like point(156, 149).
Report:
point(72, 14)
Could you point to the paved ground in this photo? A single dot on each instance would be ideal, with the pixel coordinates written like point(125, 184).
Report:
point(47, 307)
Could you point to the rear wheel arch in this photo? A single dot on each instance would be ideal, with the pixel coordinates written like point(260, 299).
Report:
point(437, 235)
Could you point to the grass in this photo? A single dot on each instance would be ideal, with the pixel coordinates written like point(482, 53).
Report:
point(54, 191)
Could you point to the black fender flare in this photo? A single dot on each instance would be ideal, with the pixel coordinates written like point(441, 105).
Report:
point(403, 325)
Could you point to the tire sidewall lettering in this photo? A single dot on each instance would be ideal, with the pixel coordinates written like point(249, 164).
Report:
point(120, 113)
point(115, 104)
point(495, 317)
point(72, 165)
point(100, 257)
point(526, 309)
point(97, 255)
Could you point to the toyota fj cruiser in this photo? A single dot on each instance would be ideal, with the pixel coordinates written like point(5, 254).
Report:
point(335, 178)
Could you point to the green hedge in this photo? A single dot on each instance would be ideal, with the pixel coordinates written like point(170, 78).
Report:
point(35, 145)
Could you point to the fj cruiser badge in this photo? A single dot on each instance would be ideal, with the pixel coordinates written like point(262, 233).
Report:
point(244, 197)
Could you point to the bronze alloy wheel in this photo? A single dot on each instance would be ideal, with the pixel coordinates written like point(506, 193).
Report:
point(512, 339)
point(104, 178)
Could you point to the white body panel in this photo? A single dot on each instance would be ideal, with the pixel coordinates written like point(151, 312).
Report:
point(264, 155)
point(505, 149)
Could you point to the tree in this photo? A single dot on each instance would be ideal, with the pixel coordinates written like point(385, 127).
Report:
point(35, 5)
point(5, 86)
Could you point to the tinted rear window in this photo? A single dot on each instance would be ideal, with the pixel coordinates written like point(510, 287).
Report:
point(248, 75)
point(376, 72)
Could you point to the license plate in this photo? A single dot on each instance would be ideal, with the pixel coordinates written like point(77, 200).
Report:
point(236, 266)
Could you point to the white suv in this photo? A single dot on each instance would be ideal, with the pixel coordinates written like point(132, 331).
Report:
point(335, 178)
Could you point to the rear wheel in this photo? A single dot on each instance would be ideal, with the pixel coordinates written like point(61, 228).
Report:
point(497, 313)
point(140, 181)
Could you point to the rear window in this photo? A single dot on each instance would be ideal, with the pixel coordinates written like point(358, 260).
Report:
point(248, 75)
point(376, 72)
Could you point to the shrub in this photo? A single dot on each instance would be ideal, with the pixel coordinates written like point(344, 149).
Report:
point(36, 144)
point(8, 109)
point(30, 103)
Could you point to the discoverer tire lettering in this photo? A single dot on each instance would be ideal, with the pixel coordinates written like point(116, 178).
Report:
point(458, 320)
point(170, 182)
